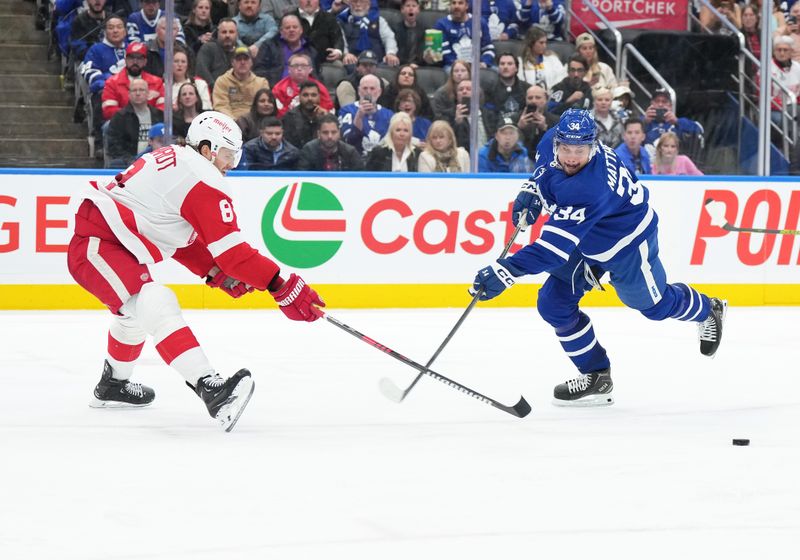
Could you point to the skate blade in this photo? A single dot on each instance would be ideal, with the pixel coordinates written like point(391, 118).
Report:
point(97, 403)
point(230, 411)
point(724, 315)
point(606, 399)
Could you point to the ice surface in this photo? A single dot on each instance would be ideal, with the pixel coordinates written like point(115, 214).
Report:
point(321, 466)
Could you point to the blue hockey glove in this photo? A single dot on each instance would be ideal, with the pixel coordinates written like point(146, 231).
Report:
point(494, 279)
point(527, 205)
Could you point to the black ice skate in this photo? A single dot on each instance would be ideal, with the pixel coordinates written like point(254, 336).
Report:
point(120, 393)
point(710, 331)
point(226, 399)
point(591, 389)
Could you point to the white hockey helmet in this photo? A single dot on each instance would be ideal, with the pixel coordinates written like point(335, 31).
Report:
point(220, 130)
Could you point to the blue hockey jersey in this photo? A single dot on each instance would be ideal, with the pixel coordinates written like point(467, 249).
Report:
point(102, 60)
point(502, 16)
point(602, 211)
point(140, 29)
point(375, 127)
point(457, 41)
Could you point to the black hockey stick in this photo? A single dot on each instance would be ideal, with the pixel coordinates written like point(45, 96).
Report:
point(395, 393)
point(716, 210)
point(520, 410)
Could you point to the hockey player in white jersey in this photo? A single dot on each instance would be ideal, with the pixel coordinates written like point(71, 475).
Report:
point(600, 221)
point(174, 203)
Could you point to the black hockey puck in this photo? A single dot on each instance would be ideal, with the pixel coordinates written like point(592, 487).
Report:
point(741, 442)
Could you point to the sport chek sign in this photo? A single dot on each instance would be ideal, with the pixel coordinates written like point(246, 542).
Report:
point(635, 14)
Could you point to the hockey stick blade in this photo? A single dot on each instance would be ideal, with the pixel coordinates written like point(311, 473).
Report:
point(716, 210)
point(520, 409)
point(390, 390)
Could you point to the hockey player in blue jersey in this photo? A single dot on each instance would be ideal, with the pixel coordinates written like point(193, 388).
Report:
point(600, 221)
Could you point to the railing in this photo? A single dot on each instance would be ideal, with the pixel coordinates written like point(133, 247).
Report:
point(617, 54)
point(630, 50)
point(788, 128)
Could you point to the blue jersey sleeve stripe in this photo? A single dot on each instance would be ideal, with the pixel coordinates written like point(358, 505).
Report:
point(561, 232)
point(552, 248)
point(625, 241)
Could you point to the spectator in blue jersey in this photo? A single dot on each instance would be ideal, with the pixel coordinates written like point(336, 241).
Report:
point(548, 15)
point(593, 230)
point(365, 122)
point(142, 24)
point(456, 31)
point(105, 58)
point(504, 18)
point(87, 28)
point(269, 151)
point(660, 118)
point(631, 152)
point(504, 153)
point(572, 92)
point(255, 27)
point(408, 102)
point(155, 139)
point(365, 30)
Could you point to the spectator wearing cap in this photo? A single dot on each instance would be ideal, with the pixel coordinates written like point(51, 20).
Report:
point(535, 120)
point(235, 90)
point(142, 24)
point(504, 153)
point(322, 30)
point(287, 90)
point(548, 15)
point(128, 131)
point(156, 47)
point(255, 27)
point(507, 96)
point(609, 128)
point(87, 28)
point(216, 57)
point(327, 152)
point(599, 74)
point(155, 139)
point(301, 123)
point(272, 61)
point(364, 122)
point(269, 151)
point(660, 118)
point(573, 92)
point(115, 91)
point(623, 105)
point(364, 29)
point(346, 89)
point(631, 152)
point(456, 31)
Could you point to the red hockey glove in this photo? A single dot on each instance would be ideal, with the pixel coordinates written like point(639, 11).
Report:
point(231, 286)
point(297, 300)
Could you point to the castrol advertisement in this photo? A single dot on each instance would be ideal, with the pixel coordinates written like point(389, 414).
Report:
point(361, 230)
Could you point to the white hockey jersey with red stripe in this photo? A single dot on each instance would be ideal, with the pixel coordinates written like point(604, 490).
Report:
point(173, 203)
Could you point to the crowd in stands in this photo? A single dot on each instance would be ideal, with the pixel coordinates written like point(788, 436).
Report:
point(268, 64)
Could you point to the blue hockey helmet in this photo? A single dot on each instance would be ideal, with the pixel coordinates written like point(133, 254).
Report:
point(576, 126)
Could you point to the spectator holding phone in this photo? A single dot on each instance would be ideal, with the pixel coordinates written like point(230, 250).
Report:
point(668, 161)
point(792, 30)
point(535, 120)
point(660, 117)
point(487, 117)
point(364, 122)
